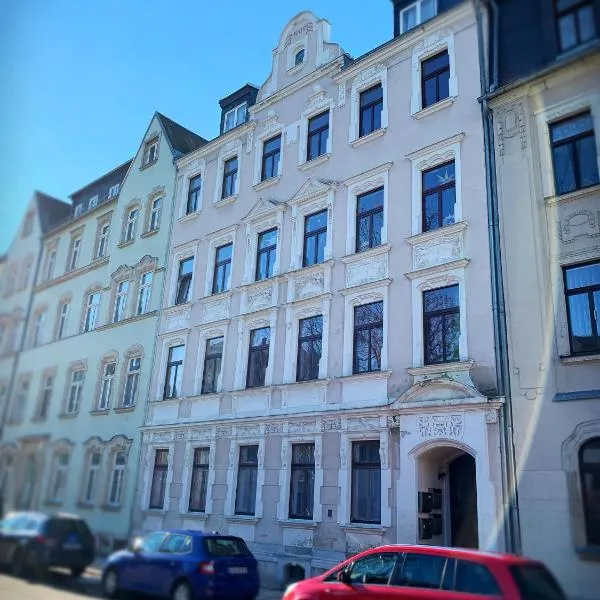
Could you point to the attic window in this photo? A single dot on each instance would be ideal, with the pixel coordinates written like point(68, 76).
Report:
point(113, 191)
point(78, 210)
point(299, 58)
point(417, 13)
point(151, 152)
point(93, 202)
point(234, 117)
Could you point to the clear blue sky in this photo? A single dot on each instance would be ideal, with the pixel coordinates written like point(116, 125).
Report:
point(80, 80)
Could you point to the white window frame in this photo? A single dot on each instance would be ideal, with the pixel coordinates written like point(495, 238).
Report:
point(416, 5)
point(166, 344)
point(64, 309)
point(45, 386)
point(19, 405)
point(358, 296)
point(294, 313)
point(215, 240)
point(106, 381)
point(78, 210)
point(188, 469)
point(93, 202)
point(265, 318)
point(363, 81)
point(319, 103)
point(89, 470)
point(38, 326)
point(122, 470)
point(153, 142)
point(235, 110)
point(155, 214)
point(230, 150)
point(129, 372)
point(74, 253)
point(59, 470)
point(207, 332)
point(103, 233)
point(71, 383)
point(363, 184)
point(189, 250)
point(149, 472)
point(144, 291)
point(345, 477)
point(232, 477)
point(113, 191)
point(442, 278)
point(131, 224)
point(285, 476)
point(50, 263)
point(91, 306)
point(432, 45)
point(271, 130)
point(120, 311)
point(300, 44)
point(184, 182)
point(429, 157)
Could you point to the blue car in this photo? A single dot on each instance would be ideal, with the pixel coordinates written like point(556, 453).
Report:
point(184, 564)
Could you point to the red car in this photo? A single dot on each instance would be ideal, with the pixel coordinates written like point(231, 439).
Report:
point(430, 573)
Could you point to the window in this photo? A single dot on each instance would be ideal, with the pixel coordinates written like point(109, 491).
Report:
point(441, 325)
point(150, 152)
point(371, 105)
point(113, 191)
point(234, 117)
point(177, 544)
point(155, 214)
point(37, 328)
point(63, 319)
point(91, 311)
point(270, 158)
point(575, 22)
point(116, 479)
point(245, 496)
point(222, 274)
point(159, 479)
point(574, 153)
point(74, 254)
point(265, 254)
point(366, 483)
point(310, 332)
point(471, 578)
point(299, 57)
point(535, 581)
point(318, 134)
point(92, 477)
point(589, 472)
point(174, 373)
point(374, 569)
point(435, 79)
point(417, 13)
point(47, 386)
point(20, 402)
point(582, 291)
point(50, 264)
point(438, 196)
point(230, 169)
point(130, 225)
point(258, 356)
point(121, 301)
point(194, 187)
point(212, 365)
point(315, 238)
point(103, 240)
point(59, 480)
point(199, 482)
point(78, 210)
point(184, 280)
point(302, 481)
point(75, 391)
point(93, 202)
point(106, 385)
point(131, 381)
point(368, 337)
point(144, 292)
point(369, 219)
point(422, 571)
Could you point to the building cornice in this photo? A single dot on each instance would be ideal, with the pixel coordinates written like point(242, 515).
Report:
point(101, 262)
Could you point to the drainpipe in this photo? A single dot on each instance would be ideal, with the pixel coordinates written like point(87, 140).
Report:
point(512, 528)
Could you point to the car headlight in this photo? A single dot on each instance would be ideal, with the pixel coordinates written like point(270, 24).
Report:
point(288, 590)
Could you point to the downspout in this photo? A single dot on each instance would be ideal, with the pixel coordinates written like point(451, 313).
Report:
point(512, 529)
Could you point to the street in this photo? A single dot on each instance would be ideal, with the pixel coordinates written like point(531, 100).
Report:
point(59, 586)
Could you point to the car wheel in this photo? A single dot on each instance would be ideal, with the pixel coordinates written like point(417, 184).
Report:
point(18, 563)
point(77, 573)
point(110, 583)
point(182, 591)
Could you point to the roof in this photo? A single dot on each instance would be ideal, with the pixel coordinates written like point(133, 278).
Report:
point(51, 210)
point(182, 140)
point(122, 168)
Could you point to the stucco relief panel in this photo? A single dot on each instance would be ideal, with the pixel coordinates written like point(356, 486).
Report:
point(374, 268)
point(444, 426)
point(176, 320)
point(438, 251)
point(215, 310)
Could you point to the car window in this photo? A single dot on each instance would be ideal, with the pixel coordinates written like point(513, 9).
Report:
point(225, 546)
point(60, 528)
point(421, 570)
point(471, 578)
point(374, 568)
point(152, 542)
point(16, 522)
point(177, 544)
point(535, 582)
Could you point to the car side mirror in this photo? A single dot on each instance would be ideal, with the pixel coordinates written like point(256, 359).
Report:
point(136, 545)
point(344, 576)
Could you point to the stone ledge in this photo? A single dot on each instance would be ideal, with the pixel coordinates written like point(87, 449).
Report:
point(369, 137)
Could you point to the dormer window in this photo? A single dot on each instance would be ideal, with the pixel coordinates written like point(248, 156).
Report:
point(234, 117)
point(78, 210)
point(113, 192)
point(150, 152)
point(417, 13)
point(299, 57)
point(93, 202)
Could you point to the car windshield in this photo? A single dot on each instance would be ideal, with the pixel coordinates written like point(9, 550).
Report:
point(226, 546)
point(535, 582)
point(19, 521)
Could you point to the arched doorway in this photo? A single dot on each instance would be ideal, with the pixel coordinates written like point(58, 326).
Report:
point(447, 498)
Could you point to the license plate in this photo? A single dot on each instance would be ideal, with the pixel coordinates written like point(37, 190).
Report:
point(71, 546)
point(238, 570)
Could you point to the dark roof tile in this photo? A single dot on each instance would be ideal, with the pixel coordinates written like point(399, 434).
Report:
point(182, 140)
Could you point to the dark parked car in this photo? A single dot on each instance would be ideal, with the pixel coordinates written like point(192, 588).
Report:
point(184, 565)
point(31, 542)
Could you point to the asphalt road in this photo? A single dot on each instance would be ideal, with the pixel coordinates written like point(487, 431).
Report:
point(59, 586)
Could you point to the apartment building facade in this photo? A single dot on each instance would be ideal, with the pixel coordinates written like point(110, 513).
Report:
point(545, 110)
point(83, 374)
point(324, 377)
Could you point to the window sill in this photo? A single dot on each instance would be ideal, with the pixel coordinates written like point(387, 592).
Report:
point(124, 409)
point(99, 412)
point(68, 415)
point(150, 233)
point(579, 359)
point(210, 396)
point(439, 368)
point(461, 263)
point(85, 505)
point(224, 201)
point(250, 519)
point(367, 138)
point(425, 236)
point(218, 296)
point(309, 164)
point(296, 68)
point(267, 183)
point(38, 419)
point(297, 523)
point(321, 381)
point(145, 315)
point(362, 527)
point(589, 552)
point(189, 217)
point(369, 375)
point(148, 165)
point(110, 508)
point(433, 108)
point(580, 194)
point(198, 516)
point(53, 502)
point(125, 244)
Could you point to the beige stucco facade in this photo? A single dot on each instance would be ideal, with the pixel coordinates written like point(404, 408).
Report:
point(555, 390)
point(421, 417)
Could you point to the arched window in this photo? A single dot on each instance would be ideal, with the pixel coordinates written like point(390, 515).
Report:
point(589, 471)
point(299, 58)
